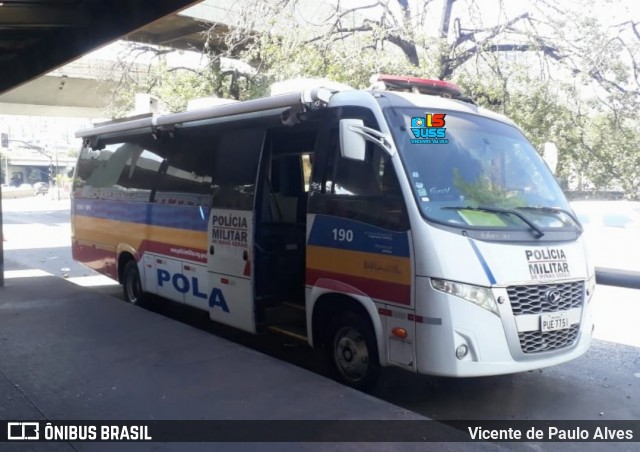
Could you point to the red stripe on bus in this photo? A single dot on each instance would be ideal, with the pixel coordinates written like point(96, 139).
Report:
point(174, 251)
point(415, 318)
point(99, 259)
point(381, 290)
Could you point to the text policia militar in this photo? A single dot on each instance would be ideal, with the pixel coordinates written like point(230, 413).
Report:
point(549, 433)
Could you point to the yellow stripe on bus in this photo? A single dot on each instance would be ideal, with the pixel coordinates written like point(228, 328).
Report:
point(358, 263)
point(112, 232)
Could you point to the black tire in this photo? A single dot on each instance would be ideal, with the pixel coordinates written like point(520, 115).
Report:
point(131, 285)
point(353, 351)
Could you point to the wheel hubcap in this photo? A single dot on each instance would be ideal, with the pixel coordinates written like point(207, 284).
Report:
point(133, 288)
point(351, 354)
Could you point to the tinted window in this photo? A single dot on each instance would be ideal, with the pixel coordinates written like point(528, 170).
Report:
point(118, 170)
point(178, 186)
point(366, 191)
point(234, 166)
point(476, 162)
point(185, 179)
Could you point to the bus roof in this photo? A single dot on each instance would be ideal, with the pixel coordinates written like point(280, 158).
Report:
point(434, 103)
point(249, 106)
point(282, 102)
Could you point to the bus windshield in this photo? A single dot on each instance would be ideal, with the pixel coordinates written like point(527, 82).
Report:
point(471, 171)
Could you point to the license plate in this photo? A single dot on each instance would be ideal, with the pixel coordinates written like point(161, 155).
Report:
point(554, 321)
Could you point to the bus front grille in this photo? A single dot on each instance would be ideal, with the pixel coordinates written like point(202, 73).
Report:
point(538, 341)
point(541, 298)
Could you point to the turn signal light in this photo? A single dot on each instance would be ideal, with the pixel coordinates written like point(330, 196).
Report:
point(400, 333)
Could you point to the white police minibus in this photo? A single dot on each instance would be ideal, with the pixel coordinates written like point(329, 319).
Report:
point(397, 226)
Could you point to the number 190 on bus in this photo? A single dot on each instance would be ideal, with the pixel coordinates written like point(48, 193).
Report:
point(342, 235)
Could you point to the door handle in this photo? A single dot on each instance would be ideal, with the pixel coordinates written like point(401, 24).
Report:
point(245, 255)
point(211, 250)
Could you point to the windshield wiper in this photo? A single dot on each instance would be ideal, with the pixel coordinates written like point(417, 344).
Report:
point(535, 230)
point(555, 210)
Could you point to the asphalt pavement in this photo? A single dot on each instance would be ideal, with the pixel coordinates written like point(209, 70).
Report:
point(68, 352)
point(64, 348)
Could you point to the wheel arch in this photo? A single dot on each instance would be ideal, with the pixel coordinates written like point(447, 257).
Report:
point(125, 254)
point(328, 304)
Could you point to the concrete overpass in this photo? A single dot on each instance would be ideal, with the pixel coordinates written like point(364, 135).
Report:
point(40, 36)
point(37, 37)
point(75, 90)
point(80, 89)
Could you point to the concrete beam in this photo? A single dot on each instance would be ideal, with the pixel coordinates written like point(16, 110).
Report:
point(52, 110)
point(59, 96)
point(109, 20)
point(34, 16)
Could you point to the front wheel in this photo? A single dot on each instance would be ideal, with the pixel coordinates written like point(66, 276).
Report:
point(131, 286)
point(353, 351)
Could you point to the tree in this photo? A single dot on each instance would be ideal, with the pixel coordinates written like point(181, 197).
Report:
point(559, 72)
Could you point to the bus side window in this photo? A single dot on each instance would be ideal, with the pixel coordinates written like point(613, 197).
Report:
point(365, 191)
point(184, 182)
point(122, 170)
point(234, 167)
point(179, 186)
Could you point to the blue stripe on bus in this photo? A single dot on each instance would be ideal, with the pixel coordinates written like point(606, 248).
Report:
point(484, 264)
point(327, 231)
point(193, 218)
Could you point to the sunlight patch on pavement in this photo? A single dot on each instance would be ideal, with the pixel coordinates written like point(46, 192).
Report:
point(31, 236)
point(35, 204)
point(31, 273)
point(84, 281)
point(92, 281)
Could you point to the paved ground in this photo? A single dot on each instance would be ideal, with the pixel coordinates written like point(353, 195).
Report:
point(70, 353)
point(46, 326)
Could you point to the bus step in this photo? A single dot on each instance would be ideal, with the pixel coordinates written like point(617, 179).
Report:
point(298, 333)
point(289, 304)
point(284, 315)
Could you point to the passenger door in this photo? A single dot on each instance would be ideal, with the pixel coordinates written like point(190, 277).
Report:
point(231, 228)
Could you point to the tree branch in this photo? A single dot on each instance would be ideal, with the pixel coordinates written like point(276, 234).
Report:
point(183, 68)
point(453, 63)
point(493, 31)
point(408, 47)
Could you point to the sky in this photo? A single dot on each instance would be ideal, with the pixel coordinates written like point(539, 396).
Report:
point(609, 12)
point(491, 12)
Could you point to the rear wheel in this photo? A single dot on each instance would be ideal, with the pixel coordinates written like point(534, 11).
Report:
point(353, 351)
point(131, 286)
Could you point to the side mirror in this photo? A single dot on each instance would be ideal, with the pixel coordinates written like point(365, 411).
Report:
point(352, 143)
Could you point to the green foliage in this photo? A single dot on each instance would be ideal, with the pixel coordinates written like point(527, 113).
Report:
point(584, 98)
point(482, 192)
point(175, 87)
point(353, 64)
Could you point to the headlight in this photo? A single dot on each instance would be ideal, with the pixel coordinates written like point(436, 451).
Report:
point(591, 287)
point(482, 296)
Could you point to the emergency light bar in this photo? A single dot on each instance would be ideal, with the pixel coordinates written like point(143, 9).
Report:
point(419, 86)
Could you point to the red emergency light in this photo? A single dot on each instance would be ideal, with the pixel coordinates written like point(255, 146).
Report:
point(418, 85)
